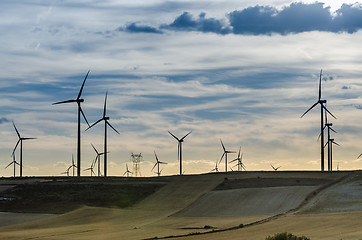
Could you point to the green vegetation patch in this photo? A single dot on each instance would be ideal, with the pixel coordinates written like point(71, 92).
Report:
point(64, 196)
point(286, 236)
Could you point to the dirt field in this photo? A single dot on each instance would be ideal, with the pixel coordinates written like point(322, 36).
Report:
point(190, 204)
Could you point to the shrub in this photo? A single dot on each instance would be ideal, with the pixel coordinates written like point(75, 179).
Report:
point(286, 236)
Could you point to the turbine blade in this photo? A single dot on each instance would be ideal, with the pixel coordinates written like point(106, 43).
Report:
point(81, 110)
point(174, 136)
point(222, 144)
point(95, 149)
point(16, 145)
point(185, 136)
point(9, 165)
point(359, 156)
point(17, 132)
point(221, 157)
point(315, 104)
point(154, 166)
point(27, 138)
point(329, 111)
point(67, 101)
point(333, 130)
point(156, 156)
point(81, 89)
point(105, 105)
point(336, 143)
point(112, 127)
point(94, 124)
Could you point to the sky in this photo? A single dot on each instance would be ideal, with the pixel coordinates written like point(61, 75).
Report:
point(240, 71)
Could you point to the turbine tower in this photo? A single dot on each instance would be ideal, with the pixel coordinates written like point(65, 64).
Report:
point(321, 102)
point(21, 139)
point(106, 123)
point(179, 146)
point(78, 100)
point(158, 165)
point(225, 153)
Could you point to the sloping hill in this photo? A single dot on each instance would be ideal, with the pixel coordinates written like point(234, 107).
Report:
point(184, 206)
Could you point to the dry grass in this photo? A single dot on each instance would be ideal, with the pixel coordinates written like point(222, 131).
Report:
point(160, 214)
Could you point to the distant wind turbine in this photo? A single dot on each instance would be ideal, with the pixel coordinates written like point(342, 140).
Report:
point(91, 169)
point(321, 102)
point(330, 152)
point(329, 142)
point(240, 163)
point(275, 168)
point(216, 169)
point(21, 139)
point(158, 165)
point(179, 147)
point(72, 166)
point(106, 123)
point(127, 171)
point(225, 153)
point(98, 159)
point(13, 162)
point(78, 100)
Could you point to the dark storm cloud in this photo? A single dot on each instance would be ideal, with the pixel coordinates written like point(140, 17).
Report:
point(296, 18)
point(186, 22)
point(134, 28)
point(267, 20)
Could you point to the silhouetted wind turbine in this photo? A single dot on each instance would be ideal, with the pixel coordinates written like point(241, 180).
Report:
point(240, 163)
point(21, 139)
point(105, 119)
point(98, 158)
point(225, 153)
point(13, 162)
point(72, 166)
point(127, 171)
point(78, 100)
point(329, 142)
point(180, 141)
point(275, 168)
point(216, 169)
point(330, 152)
point(91, 169)
point(158, 165)
point(321, 102)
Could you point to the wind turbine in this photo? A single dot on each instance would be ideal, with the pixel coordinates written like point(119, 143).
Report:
point(330, 152)
point(275, 168)
point(240, 163)
point(321, 102)
point(91, 169)
point(329, 142)
point(225, 153)
point(216, 169)
point(127, 171)
point(21, 139)
point(98, 158)
point(72, 166)
point(13, 162)
point(158, 165)
point(105, 119)
point(180, 141)
point(78, 100)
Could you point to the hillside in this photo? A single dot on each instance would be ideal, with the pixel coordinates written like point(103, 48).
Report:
point(206, 203)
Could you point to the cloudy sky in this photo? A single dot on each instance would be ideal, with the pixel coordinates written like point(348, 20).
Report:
point(240, 71)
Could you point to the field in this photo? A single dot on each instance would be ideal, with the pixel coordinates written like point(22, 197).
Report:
point(236, 205)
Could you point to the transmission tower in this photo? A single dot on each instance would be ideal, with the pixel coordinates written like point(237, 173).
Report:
point(136, 159)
